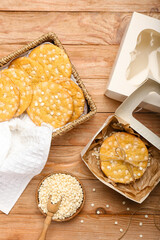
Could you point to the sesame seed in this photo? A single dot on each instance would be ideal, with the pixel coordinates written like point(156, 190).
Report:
point(92, 204)
point(140, 224)
point(121, 230)
point(140, 235)
point(93, 189)
point(98, 212)
point(107, 206)
point(82, 221)
point(115, 222)
point(128, 208)
point(123, 202)
point(65, 187)
point(146, 216)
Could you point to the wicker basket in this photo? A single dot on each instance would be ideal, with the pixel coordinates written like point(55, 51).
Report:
point(51, 37)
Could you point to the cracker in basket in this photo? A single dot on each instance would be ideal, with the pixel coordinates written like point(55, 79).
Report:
point(33, 69)
point(76, 94)
point(9, 99)
point(53, 59)
point(123, 157)
point(51, 104)
point(21, 80)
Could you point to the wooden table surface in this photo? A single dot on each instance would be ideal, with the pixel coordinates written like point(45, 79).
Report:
point(91, 31)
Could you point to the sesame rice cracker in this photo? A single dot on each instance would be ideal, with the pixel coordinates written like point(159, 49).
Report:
point(33, 69)
point(9, 99)
point(53, 59)
point(21, 80)
point(51, 104)
point(76, 94)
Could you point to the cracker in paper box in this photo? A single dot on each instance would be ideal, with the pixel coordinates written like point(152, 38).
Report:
point(123, 122)
point(123, 157)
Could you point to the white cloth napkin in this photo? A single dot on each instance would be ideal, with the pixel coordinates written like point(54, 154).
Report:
point(24, 150)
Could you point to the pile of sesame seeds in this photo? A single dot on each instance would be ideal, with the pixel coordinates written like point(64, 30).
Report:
point(61, 186)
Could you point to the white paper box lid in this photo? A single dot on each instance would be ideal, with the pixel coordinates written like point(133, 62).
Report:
point(119, 87)
point(128, 106)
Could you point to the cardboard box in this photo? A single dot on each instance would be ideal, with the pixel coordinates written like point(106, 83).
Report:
point(124, 121)
point(137, 59)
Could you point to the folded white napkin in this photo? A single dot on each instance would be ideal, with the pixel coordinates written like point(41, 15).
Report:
point(24, 150)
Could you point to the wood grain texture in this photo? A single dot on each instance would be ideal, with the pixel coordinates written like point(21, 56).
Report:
point(151, 120)
point(90, 61)
point(81, 5)
point(103, 195)
point(104, 28)
point(91, 32)
point(94, 227)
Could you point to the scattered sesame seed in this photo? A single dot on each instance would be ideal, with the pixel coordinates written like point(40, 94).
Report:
point(128, 208)
point(93, 189)
point(146, 216)
point(140, 224)
point(98, 212)
point(92, 204)
point(123, 202)
point(107, 206)
point(82, 221)
point(140, 235)
point(115, 222)
point(121, 230)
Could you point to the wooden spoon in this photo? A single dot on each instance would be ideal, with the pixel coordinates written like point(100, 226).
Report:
point(52, 209)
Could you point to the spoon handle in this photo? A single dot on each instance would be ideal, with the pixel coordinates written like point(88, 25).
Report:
point(45, 226)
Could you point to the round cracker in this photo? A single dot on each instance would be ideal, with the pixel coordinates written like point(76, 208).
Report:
point(33, 69)
point(21, 80)
point(51, 104)
point(9, 99)
point(136, 154)
point(53, 59)
point(76, 94)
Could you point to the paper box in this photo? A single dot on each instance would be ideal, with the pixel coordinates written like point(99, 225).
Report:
point(124, 121)
point(138, 58)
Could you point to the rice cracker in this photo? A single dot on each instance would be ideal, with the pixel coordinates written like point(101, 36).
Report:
point(21, 80)
point(51, 104)
point(9, 99)
point(131, 150)
point(76, 94)
point(53, 59)
point(33, 69)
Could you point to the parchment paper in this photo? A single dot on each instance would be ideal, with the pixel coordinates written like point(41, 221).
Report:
point(141, 188)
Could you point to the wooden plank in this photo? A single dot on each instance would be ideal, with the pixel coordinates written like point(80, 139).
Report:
point(26, 204)
point(89, 128)
point(94, 78)
point(71, 27)
point(81, 5)
point(90, 61)
point(94, 227)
